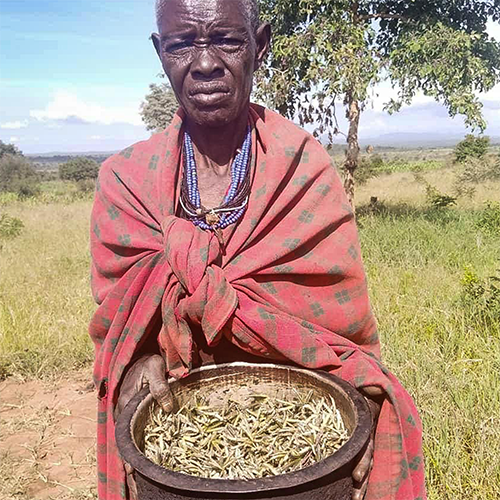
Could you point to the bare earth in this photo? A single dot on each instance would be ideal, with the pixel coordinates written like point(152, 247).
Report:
point(47, 436)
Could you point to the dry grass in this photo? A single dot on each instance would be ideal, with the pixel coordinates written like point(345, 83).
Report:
point(45, 302)
point(446, 355)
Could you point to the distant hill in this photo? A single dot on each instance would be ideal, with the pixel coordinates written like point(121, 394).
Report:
point(410, 140)
point(384, 142)
point(51, 161)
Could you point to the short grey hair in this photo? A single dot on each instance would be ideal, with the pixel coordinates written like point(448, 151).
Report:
point(251, 11)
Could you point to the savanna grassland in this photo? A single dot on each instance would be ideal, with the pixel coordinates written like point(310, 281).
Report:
point(430, 270)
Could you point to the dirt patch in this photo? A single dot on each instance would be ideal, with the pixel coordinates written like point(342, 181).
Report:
point(47, 435)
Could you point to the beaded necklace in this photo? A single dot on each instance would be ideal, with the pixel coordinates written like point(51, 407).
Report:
point(236, 199)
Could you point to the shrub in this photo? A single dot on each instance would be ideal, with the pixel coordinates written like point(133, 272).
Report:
point(471, 147)
point(489, 219)
point(86, 185)
point(475, 171)
point(10, 227)
point(17, 175)
point(438, 199)
point(9, 149)
point(79, 169)
point(364, 171)
point(481, 297)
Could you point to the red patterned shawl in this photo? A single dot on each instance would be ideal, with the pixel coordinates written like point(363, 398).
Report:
point(291, 285)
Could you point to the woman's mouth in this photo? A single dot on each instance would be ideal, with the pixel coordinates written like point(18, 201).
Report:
point(208, 97)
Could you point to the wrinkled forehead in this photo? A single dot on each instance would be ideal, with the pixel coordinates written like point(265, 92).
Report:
point(204, 11)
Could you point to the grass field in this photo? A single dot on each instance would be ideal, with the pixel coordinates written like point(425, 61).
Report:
point(45, 301)
point(426, 269)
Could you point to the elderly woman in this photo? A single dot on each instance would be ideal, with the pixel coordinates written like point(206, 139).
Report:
point(228, 237)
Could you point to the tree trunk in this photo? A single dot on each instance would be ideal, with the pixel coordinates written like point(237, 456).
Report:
point(352, 154)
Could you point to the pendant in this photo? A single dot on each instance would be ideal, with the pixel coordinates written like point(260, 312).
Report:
point(212, 218)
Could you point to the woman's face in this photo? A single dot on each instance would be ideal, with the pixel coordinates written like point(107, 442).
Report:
point(209, 52)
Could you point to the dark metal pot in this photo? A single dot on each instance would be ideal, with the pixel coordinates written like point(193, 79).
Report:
point(329, 479)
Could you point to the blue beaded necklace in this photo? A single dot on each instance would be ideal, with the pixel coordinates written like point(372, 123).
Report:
point(236, 199)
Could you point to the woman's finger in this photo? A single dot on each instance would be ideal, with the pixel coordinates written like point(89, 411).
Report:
point(372, 391)
point(158, 385)
point(359, 490)
point(363, 466)
point(132, 485)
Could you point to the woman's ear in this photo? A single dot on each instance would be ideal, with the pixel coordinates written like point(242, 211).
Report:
point(155, 38)
point(263, 40)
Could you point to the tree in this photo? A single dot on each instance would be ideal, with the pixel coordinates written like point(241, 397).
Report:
point(9, 149)
point(471, 147)
point(325, 52)
point(17, 175)
point(79, 169)
point(159, 107)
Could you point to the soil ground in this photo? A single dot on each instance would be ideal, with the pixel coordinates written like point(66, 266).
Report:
point(47, 435)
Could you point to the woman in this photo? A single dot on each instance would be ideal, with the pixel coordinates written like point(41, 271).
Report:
point(229, 237)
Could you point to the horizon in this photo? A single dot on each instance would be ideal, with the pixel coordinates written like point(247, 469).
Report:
point(89, 67)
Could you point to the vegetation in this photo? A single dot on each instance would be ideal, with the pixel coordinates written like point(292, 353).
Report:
point(471, 147)
point(438, 48)
point(9, 149)
point(10, 227)
point(45, 300)
point(79, 169)
point(159, 107)
point(435, 340)
point(18, 176)
point(373, 166)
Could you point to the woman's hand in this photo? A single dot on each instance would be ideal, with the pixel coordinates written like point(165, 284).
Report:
point(147, 370)
point(361, 473)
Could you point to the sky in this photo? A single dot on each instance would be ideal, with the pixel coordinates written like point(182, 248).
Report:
point(74, 72)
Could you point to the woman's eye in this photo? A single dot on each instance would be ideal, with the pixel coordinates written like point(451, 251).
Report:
point(177, 47)
point(228, 42)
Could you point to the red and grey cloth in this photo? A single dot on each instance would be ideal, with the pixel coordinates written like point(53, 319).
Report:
point(290, 285)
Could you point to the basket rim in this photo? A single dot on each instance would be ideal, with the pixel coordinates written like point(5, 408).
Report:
point(131, 454)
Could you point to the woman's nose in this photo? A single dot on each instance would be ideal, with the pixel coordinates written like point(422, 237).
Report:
point(206, 64)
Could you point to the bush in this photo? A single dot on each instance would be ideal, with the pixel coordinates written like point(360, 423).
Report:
point(481, 297)
point(17, 175)
point(434, 197)
point(471, 147)
point(79, 169)
point(438, 199)
point(475, 171)
point(9, 149)
point(86, 185)
point(489, 219)
point(10, 227)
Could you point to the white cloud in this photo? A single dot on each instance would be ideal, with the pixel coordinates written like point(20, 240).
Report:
point(69, 107)
point(96, 137)
point(14, 139)
point(14, 125)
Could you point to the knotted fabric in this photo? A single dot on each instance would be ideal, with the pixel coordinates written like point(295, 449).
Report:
point(289, 287)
